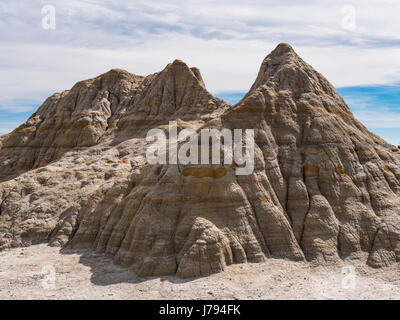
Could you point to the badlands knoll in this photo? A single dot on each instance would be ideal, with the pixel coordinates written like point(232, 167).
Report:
point(324, 188)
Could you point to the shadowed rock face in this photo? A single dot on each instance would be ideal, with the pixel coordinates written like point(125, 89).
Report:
point(324, 188)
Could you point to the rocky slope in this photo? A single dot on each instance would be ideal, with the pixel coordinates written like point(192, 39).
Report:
point(324, 188)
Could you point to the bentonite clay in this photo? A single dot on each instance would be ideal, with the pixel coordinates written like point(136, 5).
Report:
point(324, 188)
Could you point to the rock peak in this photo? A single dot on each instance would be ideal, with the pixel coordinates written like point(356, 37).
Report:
point(179, 62)
point(284, 70)
point(179, 68)
point(283, 48)
point(117, 73)
point(197, 74)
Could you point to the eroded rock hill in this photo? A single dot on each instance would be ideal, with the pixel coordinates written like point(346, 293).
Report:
point(324, 188)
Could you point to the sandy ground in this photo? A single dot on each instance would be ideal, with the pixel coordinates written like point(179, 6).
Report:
point(42, 272)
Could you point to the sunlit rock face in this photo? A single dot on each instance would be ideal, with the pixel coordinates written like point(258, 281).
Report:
point(323, 188)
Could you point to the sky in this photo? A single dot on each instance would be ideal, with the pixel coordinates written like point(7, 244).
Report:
point(354, 44)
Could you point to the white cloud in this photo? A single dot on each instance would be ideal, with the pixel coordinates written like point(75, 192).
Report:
point(226, 40)
point(17, 109)
point(374, 119)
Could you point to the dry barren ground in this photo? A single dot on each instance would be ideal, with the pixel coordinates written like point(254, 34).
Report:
point(28, 273)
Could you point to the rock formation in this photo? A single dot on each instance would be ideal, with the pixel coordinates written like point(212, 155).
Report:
point(324, 188)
